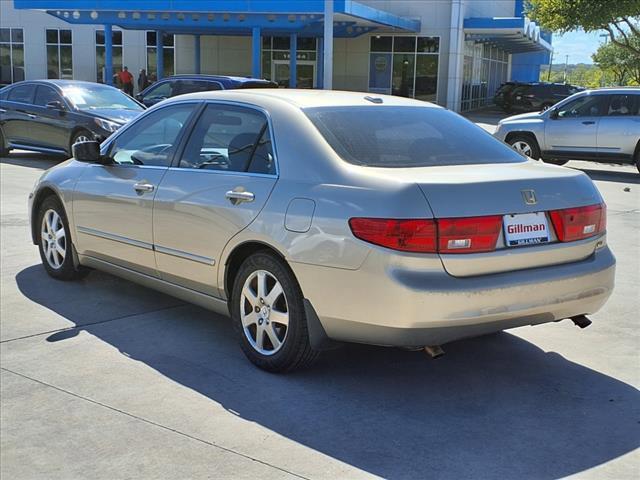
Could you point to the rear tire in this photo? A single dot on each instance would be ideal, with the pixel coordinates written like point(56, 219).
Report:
point(268, 315)
point(54, 241)
point(636, 158)
point(526, 145)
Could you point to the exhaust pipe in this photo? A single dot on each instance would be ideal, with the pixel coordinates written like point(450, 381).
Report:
point(434, 351)
point(581, 321)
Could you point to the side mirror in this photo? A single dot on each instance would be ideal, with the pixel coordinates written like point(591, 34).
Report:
point(55, 105)
point(88, 152)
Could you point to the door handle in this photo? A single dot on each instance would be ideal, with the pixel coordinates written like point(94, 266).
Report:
point(588, 122)
point(143, 187)
point(239, 197)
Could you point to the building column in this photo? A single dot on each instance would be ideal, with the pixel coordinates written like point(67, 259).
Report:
point(456, 57)
point(320, 63)
point(108, 54)
point(293, 61)
point(256, 46)
point(327, 57)
point(159, 54)
point(196, 53)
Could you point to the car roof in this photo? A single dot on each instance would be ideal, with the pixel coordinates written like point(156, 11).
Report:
point(609, 90)
point(305, 98)
point(218, 78)
point(61, 84)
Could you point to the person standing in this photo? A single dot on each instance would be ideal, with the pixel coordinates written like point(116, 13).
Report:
point(143, 80)
point(126, 81)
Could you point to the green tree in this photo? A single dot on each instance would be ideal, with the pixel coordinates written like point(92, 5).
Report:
point(613, 58)
point(618, 17)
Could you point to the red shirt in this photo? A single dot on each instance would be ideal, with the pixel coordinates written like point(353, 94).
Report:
point(125, 77)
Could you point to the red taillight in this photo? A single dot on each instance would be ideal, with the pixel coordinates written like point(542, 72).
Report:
point(405, 235)
point(474, 234)
point(581, 222)
point(448, 235)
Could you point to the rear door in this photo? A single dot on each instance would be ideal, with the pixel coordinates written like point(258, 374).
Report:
point(53, 124)
point(222, 180)
point(17, 119)
point(619, 129)
point(571, 133)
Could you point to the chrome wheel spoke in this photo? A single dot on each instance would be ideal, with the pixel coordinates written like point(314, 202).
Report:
point(281, 318)
point(273, 337)
point(53, 239)
point(59, 233)
point(260, 337)
point(59, 250)
point(251, 297)
point(262, 284)
point(275, 292)
point(250, 319)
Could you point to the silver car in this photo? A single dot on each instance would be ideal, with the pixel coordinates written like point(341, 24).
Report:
point(597, 125)
point(319, 217)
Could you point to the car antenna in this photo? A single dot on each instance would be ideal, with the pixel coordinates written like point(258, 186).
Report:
point(373, 99)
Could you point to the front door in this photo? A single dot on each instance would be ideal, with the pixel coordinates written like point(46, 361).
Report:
point(113, 204)
point(306, 73)
point(572, 132)
point(219, 185)
point(54, 124)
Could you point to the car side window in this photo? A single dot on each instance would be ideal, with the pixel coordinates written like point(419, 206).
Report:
point(192, 86)
point(230, 138)
point(153, 139)
point(45, 95)
point(586, 106)
point(160, 91)
point(623, 105)
point(22, 93)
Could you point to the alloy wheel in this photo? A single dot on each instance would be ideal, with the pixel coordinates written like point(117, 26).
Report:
point(264, 312)
point(522, 147)
point(81, 138)
point(53, 239)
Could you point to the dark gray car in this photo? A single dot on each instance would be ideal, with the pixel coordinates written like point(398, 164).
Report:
point(51, 115)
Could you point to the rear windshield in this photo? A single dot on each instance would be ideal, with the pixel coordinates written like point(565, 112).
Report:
point(394, 137)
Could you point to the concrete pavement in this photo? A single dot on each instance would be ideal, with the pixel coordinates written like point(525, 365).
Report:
point(105, 379)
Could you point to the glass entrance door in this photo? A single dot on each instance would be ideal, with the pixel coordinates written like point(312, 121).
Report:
point(306, 73)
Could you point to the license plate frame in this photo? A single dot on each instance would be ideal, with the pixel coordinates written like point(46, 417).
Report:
point(521, 229)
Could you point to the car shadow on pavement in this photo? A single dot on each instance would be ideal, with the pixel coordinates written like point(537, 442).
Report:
point(612, 175)
point(493, 407)
point(40, 161)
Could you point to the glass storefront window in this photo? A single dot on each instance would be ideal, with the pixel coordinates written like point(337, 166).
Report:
point(11, 55)
point(59, 53)
point(485, 70)
point(116, 41)
point(276, 55)
point(410, 71)
point(168, 55)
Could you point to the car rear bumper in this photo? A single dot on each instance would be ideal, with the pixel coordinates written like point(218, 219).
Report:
point(387, 303)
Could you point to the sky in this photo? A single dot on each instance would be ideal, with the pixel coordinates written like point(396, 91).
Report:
point(578, 45)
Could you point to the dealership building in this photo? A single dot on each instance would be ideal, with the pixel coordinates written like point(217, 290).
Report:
point(453, 52)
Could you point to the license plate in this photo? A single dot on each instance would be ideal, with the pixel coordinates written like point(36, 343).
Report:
point(525, 229)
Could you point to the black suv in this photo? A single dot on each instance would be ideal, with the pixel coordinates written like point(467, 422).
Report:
point(182, 84)
point(535, 97)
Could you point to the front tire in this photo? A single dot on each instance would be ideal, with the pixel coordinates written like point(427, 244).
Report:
point(526, 145)
point(268, 315)
point(54, 241)
point(79, 136)
point(4, 151)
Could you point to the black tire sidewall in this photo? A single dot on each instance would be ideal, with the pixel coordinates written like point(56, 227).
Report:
point(297, 339)
point(67, 270)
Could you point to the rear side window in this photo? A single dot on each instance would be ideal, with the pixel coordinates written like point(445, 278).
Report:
point(623, 105)
point(22, 93)
point(380, 136)
point(231, 139)
point(45, 95)
point(191, 86)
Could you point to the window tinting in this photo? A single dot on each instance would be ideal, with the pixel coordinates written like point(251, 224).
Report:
point(623, 105)
point(22, 93)
point(191, 86)
point(153, 139)
point(381, 136)
point(381, 44)
point(585, 106)
point(45, 95)
point(231, 139)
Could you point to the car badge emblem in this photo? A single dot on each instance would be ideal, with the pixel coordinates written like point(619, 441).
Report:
point(529, 197)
